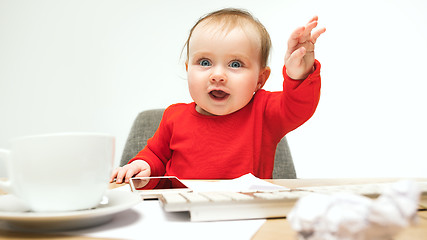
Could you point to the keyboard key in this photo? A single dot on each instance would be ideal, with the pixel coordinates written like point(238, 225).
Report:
point(216, 196)
point(195, 197)
point(174, 198)
point(239, 196)
point(269, 196)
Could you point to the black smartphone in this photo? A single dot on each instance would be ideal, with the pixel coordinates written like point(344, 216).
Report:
point(153, 187)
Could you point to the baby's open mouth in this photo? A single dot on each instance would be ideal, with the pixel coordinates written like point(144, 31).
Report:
point(218, 94)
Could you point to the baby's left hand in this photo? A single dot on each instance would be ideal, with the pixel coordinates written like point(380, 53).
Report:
point(299, 59)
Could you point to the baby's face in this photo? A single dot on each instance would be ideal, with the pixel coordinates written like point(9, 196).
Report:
point(223, 69)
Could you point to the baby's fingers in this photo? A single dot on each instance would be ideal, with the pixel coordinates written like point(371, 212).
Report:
point(120, 174)
point(306, 35)
point(124, 173)
point(130, 173)
point(316, 34)
point(294, 39)
point(296, 57)
point(114, 174)
point(294, 64)
point(313, 19)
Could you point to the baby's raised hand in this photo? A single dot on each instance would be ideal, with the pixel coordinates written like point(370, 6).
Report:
point(299, 58)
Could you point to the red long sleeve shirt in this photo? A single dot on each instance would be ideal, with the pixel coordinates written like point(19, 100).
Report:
point(190, 145)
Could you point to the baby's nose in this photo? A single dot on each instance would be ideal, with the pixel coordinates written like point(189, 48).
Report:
point(218, 75)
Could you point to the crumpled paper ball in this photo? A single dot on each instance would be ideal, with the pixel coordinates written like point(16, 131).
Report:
point(345, 216)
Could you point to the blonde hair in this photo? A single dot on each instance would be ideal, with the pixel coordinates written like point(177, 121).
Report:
point(232, 17)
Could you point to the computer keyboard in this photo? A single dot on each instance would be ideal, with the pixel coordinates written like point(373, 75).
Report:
point(222, 205)
point(212, 206)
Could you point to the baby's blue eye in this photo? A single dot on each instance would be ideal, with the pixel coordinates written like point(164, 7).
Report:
point(235, 64)
point(204, 63)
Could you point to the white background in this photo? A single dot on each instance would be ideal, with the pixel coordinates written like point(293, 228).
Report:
point(93, 65)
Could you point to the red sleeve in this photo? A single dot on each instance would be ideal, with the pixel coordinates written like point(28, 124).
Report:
point(296, 104)
point(157, 151)
point(303, 94)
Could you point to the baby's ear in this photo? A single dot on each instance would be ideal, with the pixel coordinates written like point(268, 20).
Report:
point(263, 76)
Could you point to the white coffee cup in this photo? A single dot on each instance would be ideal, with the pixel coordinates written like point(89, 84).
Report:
point(59, 172)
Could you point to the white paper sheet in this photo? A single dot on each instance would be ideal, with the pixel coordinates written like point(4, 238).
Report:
point(246, 182)
point(147, 220)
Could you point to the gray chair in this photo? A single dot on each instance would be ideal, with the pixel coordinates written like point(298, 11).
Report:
point(147, 122)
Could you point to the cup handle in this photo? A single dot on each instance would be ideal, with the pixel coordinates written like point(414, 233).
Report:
point(5, 185)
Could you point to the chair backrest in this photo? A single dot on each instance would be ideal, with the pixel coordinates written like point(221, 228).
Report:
point(147, 122)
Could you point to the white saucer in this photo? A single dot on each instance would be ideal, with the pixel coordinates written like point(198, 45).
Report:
point(54, 221)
